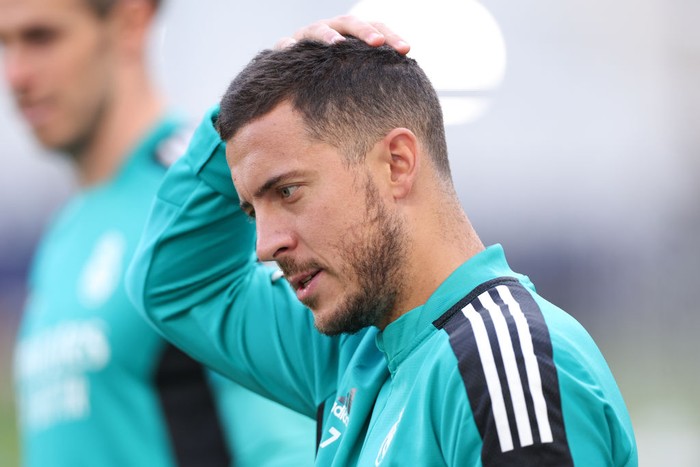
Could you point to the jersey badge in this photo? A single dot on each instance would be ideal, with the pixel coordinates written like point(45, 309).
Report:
point(102, 272)
point(387, 442)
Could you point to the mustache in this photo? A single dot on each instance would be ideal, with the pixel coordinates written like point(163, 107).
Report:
point(22, 100)
point(291, 267)
point(23, 97)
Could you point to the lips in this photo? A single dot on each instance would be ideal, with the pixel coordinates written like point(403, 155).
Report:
point(35, 112)
point(304, 277)
point(306, 287)
point(301, 280)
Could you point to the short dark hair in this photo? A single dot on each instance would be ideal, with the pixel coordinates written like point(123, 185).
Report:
point(103, 7)
point(349, 95)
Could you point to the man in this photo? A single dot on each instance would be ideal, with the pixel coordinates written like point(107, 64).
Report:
point(95, 384)
point(431, 350)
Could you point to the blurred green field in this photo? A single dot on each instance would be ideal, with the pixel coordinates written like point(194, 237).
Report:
point(9, 450)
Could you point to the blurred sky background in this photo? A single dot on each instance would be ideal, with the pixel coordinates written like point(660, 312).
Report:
point(577, 148)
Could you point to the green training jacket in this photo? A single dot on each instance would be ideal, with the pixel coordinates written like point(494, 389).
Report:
point(486, 372)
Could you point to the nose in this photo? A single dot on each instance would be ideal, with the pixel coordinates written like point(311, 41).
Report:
point(274, 238)
point(16, 69)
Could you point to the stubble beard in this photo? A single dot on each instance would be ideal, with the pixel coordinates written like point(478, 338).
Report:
point(374, 258)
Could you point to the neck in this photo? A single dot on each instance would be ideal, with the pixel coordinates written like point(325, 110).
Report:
point(132, 110)
point(441, 241)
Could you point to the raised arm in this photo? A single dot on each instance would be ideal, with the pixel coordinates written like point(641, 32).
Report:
point(195, 278)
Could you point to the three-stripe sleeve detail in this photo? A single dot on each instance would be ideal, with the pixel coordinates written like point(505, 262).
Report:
point(503, 347)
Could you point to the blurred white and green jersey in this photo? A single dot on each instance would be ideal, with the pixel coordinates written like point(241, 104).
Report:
point(97, 385)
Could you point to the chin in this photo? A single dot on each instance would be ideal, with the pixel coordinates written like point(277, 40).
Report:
point(323, 323)
point(50, 141)
point(335, 322)
point(327, 325)
point(55, 138)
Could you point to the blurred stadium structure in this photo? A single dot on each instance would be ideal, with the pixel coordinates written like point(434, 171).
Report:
point(585, 165)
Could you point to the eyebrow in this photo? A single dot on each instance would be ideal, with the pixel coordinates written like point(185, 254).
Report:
point(265, 187)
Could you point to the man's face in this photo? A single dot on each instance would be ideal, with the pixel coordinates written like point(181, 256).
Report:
point(58, 60)
point(324, 222)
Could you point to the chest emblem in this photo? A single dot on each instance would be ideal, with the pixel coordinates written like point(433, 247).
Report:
point(387, 442)
point(103, 270)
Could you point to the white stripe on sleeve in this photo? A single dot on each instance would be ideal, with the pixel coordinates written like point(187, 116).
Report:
point(492, 381)
point(515, 385)
point(531, 367)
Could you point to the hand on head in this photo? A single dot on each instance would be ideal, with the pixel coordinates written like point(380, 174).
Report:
point(332, 30)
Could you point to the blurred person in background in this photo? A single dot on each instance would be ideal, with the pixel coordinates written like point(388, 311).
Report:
point(95, 384)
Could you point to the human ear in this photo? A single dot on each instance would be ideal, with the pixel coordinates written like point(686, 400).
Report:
point(133, 19)
point(404, 160)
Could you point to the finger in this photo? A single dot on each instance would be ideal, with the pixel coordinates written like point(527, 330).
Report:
point(319, 31)
point(373, 33)
point(392, 39)
point(332, 30)
point(284, 42)
point(354, 26)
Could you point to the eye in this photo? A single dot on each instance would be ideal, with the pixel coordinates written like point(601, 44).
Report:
point(40, 35)
point(287, 191)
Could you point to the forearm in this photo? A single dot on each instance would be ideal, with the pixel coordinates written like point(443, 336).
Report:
point(195, 278)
